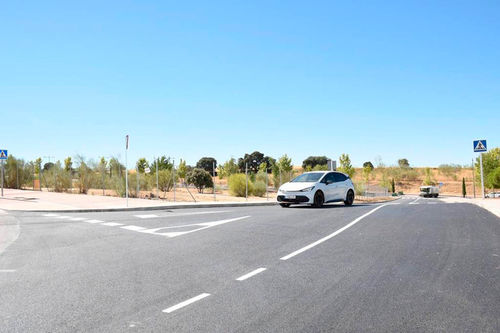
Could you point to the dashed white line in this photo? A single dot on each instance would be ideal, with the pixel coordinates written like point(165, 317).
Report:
point(252, 273)
point(324, 239)
point(78, 219)
point(7, 270)
point(112, 224)
point(62, 217)
point(50, 215)
point(185, 303)
point(146, 216)
point(93, 221)
point(133, 228)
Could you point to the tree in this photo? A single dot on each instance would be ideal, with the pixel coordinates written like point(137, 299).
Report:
point(68, 164)
point(47, 166)
point(200, 178)
point(393, 186)
point(312, 161)
point(367, 172)
point(163, 162)
point(254, 160)
point(491, 161)
point(464, 190)
point(207, 163)
point(493, 178)
point(182, 169)
point(142, 164)
point(345, 165)
point(368, 165)
point(115, 167)
point(282, 171)
point(403, 163)
point(428, 177)
point(228, 168)
point(38, 165)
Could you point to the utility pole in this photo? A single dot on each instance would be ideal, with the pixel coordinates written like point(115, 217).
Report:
point(126, 170)
point(473, 179)
point(213, 173)
point(246, 183)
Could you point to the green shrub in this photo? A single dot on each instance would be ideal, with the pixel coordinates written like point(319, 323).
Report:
point(259, 188)
point(118, 185)
point(200, 179)
point(359, 188)
point(237, 185)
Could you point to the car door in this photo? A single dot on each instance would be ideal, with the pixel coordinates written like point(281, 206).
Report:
point(341, 186)
point(330, 187)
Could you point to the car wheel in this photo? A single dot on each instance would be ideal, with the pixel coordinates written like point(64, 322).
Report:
point(284, 205)
point(349, 199)
point(319, 199)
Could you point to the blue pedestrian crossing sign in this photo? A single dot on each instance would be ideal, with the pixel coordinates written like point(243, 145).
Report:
point(3, 154)
point(479, 145)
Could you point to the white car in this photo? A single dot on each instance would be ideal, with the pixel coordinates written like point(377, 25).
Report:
point(316, 188)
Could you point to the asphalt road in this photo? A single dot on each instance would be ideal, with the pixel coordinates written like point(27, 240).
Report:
point(408, 266)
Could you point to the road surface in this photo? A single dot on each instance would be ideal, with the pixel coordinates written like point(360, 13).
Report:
point(414, 265)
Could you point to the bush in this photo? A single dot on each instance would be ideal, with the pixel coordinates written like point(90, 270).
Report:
point(359, 188)
point(118, 185)
point(237, 185)
point(200, 179)
point(259, 188)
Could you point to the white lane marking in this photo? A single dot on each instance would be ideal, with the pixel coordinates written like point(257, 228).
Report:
point(78, 219)
point(7, 270)
point(252, 273)
point(93, 221)
point(203, 226)
point(324, 239)
point(50, 215)
point(62, 217)
point(146, 216)
point(414, 202)
point(3, 212)
point(133, 228)
point(112, 224)
point(185, 303)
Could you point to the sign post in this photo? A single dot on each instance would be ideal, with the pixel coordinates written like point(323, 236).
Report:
point(3, 156)
point(126, 169)
point(479, 147)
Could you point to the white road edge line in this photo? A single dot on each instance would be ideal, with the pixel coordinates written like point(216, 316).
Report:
point(324, 239)
point(185, 303)
point(252, 273)
point(133, 227)
point(112, 224)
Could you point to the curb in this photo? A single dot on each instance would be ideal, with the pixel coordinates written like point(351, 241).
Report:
point(126, 209)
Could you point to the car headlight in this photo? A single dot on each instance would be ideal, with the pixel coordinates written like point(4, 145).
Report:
point(307, 189)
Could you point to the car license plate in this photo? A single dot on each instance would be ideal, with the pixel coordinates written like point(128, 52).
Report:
point(290, 196)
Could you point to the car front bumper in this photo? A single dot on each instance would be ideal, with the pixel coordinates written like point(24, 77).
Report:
point(295, 197)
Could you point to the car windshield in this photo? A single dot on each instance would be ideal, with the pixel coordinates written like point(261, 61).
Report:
point(424, 189)
point(308, 177)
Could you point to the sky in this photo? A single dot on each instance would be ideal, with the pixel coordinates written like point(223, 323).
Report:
point(186, 79)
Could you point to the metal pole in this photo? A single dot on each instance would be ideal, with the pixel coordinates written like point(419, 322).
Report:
point(267, 182)
point(482, 180)
point(213, 173)
point(173, 174)
point(473, 179)
point(157, 195)
point(126, 174)
point(246, 183)
point(2, 178)
point(137, 179)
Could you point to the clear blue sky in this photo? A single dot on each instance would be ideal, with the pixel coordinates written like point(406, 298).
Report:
point(397, 79)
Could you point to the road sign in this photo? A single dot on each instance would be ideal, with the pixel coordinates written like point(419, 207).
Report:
point(479, 146)
point(148, 170)
point(3, 154)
